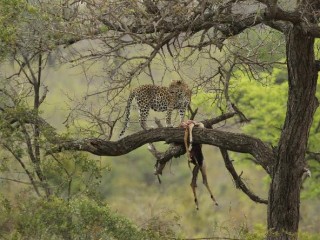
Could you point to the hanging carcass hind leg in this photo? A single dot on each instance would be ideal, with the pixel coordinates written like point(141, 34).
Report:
point(193, 184)
point(205, 182)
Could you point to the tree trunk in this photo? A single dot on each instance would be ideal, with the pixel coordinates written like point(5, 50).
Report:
point(284, 194)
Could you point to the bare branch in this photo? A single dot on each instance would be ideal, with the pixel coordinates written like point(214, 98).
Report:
point(30, 175)
point(44, 95)
point(14, 180)
point(237, 178)
point(208, 123)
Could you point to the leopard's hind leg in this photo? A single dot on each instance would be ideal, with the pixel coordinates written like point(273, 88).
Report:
point(143, 115)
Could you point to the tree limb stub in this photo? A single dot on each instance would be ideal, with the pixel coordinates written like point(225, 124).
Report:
point(174, 151)
point(318, 65)
point(209, 122)
point(230, 141)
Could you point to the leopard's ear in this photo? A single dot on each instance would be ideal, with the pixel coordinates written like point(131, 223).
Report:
point(179, 82)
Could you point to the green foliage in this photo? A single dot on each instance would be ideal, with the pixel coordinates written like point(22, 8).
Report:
point(5, 212)
point(10, 135)
point(81, 218)
point(68, 173)
point(308, 236)
point(73, 172)
point(259, 232)
point(263, 104)
point(164, 224)
point(104, 29)
point(34, 26)
point(10, 15)
point(205, 103)
point(312, 187)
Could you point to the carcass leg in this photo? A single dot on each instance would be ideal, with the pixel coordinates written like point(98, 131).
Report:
point(193, 184)
point(205, 182)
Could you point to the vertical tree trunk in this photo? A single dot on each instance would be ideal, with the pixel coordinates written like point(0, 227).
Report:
point(284, 194)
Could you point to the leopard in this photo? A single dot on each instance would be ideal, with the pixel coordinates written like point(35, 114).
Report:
point(160, 99)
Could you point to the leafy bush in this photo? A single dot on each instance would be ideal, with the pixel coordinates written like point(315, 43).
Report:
point(80, 218)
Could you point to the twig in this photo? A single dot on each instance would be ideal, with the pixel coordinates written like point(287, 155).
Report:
point(15, 180)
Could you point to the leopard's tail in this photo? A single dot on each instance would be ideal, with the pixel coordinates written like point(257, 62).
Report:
point(128, 107)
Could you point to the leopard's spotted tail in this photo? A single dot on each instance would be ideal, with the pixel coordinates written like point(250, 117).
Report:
point(126, 122)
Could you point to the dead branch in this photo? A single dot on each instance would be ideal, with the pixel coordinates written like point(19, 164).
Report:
point(237, 178)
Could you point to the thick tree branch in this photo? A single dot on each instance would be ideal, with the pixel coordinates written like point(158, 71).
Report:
point(230, 141)
point(312, 30)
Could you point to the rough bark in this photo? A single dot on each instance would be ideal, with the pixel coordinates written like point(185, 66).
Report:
point(284, 193)
point(243, 143)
